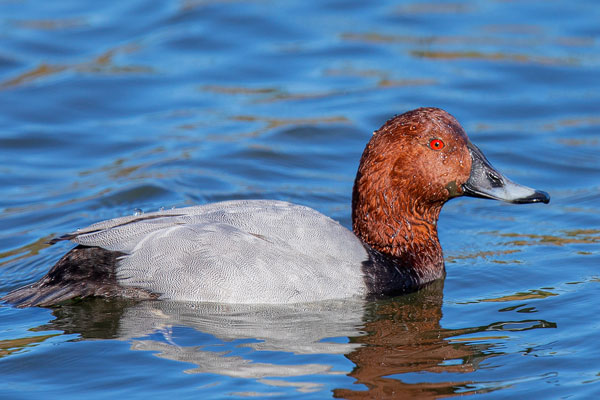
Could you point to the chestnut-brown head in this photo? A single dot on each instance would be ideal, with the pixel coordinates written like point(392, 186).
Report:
point(411, 166)
point(426, 152)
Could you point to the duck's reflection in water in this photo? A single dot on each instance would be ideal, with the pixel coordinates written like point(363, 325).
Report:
point(384, 339)
point(403, 335)
point(237, 341)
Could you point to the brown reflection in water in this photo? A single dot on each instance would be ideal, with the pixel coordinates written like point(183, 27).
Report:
point(132, 168)
point(41, 71)
point(52, 24)
point(238, 90)
point(498, 56)
point(474, 42)
point(526, 41)
point(579, 142)
point(433, 8)
point(102, 64)
point(522, 305)
point(271, 95)
point(519, 296)
point(515, 29)
point(384, 78)
point(8, 347)
point(486, 254)
point(26, 251)
point(405, 336)
point(263, 124)
point(267, 95)
point(543, 125)
point(565, 237)
point(268, 124)
point(574, 236)
point(187, 5)
point(585, 121)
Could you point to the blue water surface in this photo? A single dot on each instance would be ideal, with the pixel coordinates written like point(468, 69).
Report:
point(111, 107)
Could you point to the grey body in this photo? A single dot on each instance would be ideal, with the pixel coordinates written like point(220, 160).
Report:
point(247, 251)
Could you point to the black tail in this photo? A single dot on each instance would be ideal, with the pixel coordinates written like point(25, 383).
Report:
point(82, 272)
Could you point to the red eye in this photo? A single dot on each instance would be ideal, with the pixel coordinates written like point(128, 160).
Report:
point(436, 144)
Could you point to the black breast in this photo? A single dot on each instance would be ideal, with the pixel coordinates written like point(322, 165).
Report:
point(387, 275)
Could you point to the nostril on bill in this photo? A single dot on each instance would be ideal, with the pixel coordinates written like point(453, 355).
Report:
point(494, 179)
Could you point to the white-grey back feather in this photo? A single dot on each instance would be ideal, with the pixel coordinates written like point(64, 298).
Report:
point(245, 251)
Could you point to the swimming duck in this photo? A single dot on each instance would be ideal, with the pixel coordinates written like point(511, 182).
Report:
point(266, 251)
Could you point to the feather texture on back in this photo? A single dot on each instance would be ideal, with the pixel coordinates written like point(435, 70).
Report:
point(246, 251)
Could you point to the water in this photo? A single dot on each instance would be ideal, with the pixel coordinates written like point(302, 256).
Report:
point(111, 108)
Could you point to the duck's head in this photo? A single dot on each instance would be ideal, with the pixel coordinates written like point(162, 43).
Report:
point(411, 166)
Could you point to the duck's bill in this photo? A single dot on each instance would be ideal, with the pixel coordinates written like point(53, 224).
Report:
point(486, 182)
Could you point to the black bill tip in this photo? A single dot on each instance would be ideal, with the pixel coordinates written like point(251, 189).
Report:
point(539, 196)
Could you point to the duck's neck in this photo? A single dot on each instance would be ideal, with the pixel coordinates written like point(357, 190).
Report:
point(402, 239)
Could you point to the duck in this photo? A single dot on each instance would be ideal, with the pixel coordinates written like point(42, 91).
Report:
point(276, 252)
